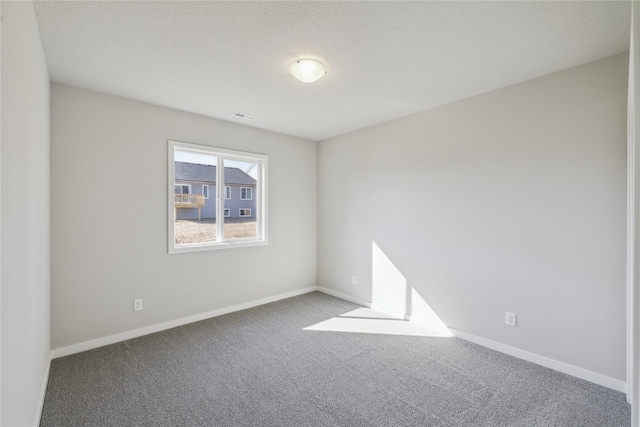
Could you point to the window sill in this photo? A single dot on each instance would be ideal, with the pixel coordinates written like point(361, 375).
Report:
point(179, 249)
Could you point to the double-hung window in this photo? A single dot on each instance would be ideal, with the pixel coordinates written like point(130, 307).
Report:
point(246, 193)
point(212, 220)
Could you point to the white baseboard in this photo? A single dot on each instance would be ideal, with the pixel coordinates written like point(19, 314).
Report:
point(565, 368)
point(43, 392)
point(123, 336)
point(343, 296)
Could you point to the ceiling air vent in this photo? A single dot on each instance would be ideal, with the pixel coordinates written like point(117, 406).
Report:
point(244, 116)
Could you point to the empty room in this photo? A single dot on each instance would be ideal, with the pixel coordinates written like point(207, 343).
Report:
point(319, 213)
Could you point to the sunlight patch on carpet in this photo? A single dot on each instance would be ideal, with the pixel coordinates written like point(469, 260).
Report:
point(367, 321)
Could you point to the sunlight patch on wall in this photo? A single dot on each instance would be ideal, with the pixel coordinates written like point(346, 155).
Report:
point(389, 290)
point(423, 315)
point(389, 286)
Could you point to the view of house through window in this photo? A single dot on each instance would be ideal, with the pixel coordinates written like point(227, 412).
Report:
point(218, 197)
point(237, 177)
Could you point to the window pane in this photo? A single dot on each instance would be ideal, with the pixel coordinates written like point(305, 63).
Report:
point(195, 214)
point(240, 177)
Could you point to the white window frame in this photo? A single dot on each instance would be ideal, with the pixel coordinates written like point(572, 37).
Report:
point(260, 198)
point(227, 212)
point(248, 190)
point(227, 192)
point(244, 209)
point(206, 195)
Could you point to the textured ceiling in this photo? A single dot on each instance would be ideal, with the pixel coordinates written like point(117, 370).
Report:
point(385, 59)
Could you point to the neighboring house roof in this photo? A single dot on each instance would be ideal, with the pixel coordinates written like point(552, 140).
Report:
point(207, 173)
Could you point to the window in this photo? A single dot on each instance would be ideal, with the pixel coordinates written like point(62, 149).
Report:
point(202, 221)
point(182, 189)
point(246, 193)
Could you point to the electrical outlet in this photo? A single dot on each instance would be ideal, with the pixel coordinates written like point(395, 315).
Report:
point(137, 304)
point(511, 319)
point(354, 280)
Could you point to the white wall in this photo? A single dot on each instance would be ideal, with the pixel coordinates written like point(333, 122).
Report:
point(109, 218)
point(513, 200)
point(25, 217)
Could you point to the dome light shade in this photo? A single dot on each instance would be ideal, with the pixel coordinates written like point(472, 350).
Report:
point(307, 70)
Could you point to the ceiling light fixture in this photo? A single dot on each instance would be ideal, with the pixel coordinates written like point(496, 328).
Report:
point(307, 70)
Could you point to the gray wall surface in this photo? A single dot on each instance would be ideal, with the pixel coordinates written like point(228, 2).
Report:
point(104, 258)
point(24, 218)
point(513, 200)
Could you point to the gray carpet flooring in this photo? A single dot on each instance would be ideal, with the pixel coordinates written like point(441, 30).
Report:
point(261, 367)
